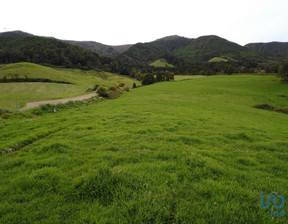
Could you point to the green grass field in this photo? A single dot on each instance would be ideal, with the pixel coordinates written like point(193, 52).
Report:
point(191, 151)
point(218, 59)
point(13, 94)
point(161, 63)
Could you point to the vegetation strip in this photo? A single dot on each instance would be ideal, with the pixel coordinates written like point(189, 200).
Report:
point(271, 108)
point(4, 80)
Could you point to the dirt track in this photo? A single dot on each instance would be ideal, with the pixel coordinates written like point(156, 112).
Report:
point(37, 104)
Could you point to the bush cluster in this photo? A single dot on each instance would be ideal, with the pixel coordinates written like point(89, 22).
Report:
point(149, 78)
point(113, 91)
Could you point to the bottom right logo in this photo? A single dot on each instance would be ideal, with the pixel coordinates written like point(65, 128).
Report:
point(279, 208)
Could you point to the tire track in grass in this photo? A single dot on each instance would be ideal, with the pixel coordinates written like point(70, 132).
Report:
point(30, 140)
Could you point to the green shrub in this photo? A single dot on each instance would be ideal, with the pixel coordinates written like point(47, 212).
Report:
point(122, 84)
point(148, 79)
point(283, 71)
point(160, 78)
point(126, 88)
point(114, 94)
point(102, 91)
point(2, 111)
point(113, 88)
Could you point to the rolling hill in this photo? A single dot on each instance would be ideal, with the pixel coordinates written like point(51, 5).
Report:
point(273, 50)
point(19, 46)
point(102, 49)
point(193, 151)
point(142, 54)
point(175, 48)
point(205, 48)
point(24, 92)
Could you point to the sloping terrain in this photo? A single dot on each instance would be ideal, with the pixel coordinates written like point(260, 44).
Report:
point(18, 47)
point(205, 48)
point(142, 54)
point(192, 151)
point(273, 50)
point(102, 49)
point(200, 50)
point(16, 94)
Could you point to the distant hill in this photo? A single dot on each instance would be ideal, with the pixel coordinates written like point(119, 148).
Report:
point(102, 49)
point(19, 47)
point(142, 54)
point(176, 48)
point(205, 48)
point(16, 33)
point(273, 50)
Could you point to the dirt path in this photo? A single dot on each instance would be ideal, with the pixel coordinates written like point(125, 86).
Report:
point(37, 104)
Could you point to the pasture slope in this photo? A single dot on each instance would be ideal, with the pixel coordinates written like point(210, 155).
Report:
point(20, 93)
point(190, 151)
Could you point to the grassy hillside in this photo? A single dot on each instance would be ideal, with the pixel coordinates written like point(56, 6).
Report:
point(162, 63)
point(218, 59)
point(192, 151)
point(30, 91)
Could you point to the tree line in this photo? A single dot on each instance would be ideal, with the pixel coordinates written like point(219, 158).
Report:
point(49, 51)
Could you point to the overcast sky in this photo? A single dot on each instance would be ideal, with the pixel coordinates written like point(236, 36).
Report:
point(116, 22)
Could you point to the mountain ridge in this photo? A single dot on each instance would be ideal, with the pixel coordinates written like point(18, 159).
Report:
point(174, 49)
point(188, 50)
point(274, 50)
point(103, 49)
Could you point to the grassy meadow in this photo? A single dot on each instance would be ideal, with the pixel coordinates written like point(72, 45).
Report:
point(162, 63)
point(19, 93)
point(189, 151)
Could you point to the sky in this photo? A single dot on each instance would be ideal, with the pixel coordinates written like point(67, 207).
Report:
point(117, 22)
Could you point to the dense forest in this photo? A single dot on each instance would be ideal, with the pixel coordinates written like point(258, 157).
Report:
point(48, 51)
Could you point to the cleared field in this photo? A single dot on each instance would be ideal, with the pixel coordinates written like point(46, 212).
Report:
point(218, 59)
point(161, 63)
point(192, 151)
point(16, 94)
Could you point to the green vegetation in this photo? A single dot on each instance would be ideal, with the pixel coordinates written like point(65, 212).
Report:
point(19, 48)
point(182, 51)
point(192, 151)
point(206, 47)
point(102, 49)
point(283, 71)
point(160, 76)
point(17, 94)
point(272, 108)
point(218, 59)
point(274, 50)
point(148, 79)
point(162, 63)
